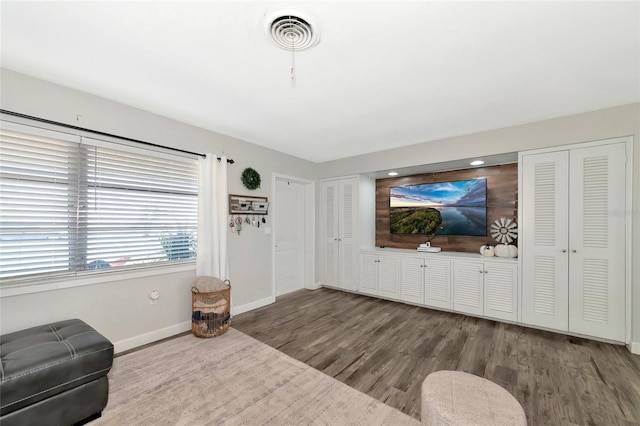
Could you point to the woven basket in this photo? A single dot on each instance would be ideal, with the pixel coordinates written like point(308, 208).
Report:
point(211, 311)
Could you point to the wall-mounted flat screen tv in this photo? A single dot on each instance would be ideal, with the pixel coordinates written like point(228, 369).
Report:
point(442, 208)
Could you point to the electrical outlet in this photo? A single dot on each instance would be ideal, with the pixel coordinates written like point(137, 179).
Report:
point(154, 295)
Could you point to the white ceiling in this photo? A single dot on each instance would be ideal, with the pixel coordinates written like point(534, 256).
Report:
point(384, 74)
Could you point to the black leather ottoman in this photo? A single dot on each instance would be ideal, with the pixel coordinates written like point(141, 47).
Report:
point(54, 374)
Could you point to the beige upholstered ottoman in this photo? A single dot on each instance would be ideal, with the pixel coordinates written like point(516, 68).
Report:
point(459, 398)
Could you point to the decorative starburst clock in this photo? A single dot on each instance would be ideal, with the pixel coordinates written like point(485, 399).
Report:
point(504, 230)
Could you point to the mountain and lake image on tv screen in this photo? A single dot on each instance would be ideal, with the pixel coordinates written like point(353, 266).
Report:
point(440, 208)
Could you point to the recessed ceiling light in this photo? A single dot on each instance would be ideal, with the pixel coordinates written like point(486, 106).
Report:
point(393, 173)
point(477, 163)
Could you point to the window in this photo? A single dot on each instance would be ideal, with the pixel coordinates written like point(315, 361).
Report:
point(70, 204)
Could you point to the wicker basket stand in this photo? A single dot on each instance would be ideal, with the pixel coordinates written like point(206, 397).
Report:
point(211, 309)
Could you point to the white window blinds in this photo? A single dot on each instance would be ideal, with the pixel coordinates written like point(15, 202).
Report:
point(70, 204)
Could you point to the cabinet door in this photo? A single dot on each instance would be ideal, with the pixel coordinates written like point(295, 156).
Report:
point(347, 241)
point(500, 291)
point(467, 287)
point(388, 276)
point(597, 252)
point(369, 273)
point(437, 278)
point(544, 244)
point(412, 279)
point(329, 250)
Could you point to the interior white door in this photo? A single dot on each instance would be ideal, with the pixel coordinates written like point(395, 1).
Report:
point(597, 241)
point(289, 236)
point(544, 251)
point(347, 243)
point(329, 252)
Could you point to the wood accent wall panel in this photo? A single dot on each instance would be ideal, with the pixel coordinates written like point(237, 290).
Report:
point(502, 197)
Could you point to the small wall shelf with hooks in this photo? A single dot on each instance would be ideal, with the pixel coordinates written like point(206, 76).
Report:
point(246, 204)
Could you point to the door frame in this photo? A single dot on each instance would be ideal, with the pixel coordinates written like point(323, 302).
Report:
point(309, 244)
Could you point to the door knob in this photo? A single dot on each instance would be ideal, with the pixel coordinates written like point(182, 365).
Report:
point(564, 250)
point(573, 251)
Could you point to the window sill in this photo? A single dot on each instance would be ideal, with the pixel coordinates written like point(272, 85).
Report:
point(59, 283)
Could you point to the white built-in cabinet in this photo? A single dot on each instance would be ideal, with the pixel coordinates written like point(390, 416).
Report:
point(501, 291)
point(573, 273)
point(573, 238)
point(468, 287)
point(339, 233)
point(426, 281)
point(379, 275)
point(486, 288)
point(463, 282)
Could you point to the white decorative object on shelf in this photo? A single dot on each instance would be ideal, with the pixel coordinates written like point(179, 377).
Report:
point(506, 250)
point(504, 230)
point(427, 248)
point(486, 250)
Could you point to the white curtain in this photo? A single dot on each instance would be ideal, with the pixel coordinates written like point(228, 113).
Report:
point(213, 199)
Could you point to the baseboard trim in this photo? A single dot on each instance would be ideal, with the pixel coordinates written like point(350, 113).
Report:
point(237, 310)
point(152, 336)
point(314, 286)
point(634, 348)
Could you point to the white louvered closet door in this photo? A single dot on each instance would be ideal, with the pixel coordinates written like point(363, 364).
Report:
point(347, 244)
point(597, 241)
point(329, 232)
point(544, 247)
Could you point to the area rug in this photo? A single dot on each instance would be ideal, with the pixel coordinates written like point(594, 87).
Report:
point(232, 379)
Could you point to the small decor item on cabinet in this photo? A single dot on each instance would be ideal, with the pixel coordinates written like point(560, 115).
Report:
point(250, 179)
point(504, 230)
point(487, 250)
point(427, 248)
point(506, 250)
point(211, 304)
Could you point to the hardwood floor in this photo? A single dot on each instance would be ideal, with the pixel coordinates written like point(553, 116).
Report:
point(386, 349)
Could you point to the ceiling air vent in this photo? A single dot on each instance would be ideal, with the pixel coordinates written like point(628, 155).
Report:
point(291, 30)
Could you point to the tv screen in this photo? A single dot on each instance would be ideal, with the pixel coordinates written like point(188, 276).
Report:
point(443, 208)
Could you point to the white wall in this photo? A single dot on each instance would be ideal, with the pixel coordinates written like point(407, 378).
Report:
point(120, 310)
point(591, 126)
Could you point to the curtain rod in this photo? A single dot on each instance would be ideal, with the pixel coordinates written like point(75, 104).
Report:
point(96, 132)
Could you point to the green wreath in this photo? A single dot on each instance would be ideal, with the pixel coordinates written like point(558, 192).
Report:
point(250, 178)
